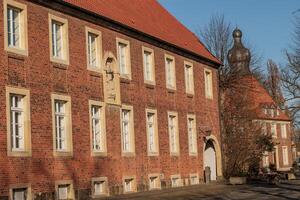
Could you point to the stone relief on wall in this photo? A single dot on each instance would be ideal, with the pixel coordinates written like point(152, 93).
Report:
point(111, 80)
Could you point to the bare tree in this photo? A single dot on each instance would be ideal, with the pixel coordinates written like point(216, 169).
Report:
point(291, 76)
point(273, 83)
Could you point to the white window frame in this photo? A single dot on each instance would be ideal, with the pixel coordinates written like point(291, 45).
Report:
point(127, 137)
point(285, 156)
point(22, 48)
point(154, 181)
point(150, 81)
point(266, 162)
point(25, 126)
point(189, 78)
point(27, 187)
point(70, 190)
point(192, 135)
point(105, 190)
point(126, 56)
point(170, 73)
point(173, 131)
point(68, 150)
point(102, 151)
point(132, 187)
point(64, 58)
point(178, 180)
point(152, 139)
point(192, 176)
point(273, 129)
point(98, 49)
point(208, 81)
point(283, 130)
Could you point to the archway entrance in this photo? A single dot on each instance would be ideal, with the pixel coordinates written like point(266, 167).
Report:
point(210, 159)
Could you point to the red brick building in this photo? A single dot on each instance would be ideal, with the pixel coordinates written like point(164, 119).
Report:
point(103, 98)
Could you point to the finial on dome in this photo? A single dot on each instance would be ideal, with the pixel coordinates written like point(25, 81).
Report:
point(237, 33)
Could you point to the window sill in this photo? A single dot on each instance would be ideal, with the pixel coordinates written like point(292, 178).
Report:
point(94, 69)
point(171, 90)
point(95, 73)
point(175, 154)
point(59, 61)
point(150, 85)
point(19, 52)
point(153, 154)
point(128, 154)
point(99, 154)
point(19, 154)
point(126, 77)
point(59, 66)
point(190, 95)
point(209, 97)
point(125, 80)
point(16, 56)
point(193, 154)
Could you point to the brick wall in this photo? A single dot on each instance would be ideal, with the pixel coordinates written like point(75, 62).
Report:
point(42, 78)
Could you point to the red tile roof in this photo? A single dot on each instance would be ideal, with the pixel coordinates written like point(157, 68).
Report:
point(260, 99)
point(149, 17)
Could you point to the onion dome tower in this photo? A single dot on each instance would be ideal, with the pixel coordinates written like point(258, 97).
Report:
point(238, 56)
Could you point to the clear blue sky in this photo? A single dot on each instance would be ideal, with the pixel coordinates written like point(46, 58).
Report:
point(267, 24)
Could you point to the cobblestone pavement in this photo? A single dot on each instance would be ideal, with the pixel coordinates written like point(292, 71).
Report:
point(288, 190)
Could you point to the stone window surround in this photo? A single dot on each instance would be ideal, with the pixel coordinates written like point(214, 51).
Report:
point(177, 153)
point(154, 153)
point(27, 121)
point(65, 39)
point(68, 103)
point(194, 175)
point(192, 91)
point(131, 132)
point(20, 186)
point(158, 181)
point(167, 56)
point(128, 59)
point(208, 83)
point(147, 49)
point(134, 185)
point(193, 116)
point(285, 156)
point(23, 50)
point(177, 176)
point(100, 179)
point(103, 127)
point(99, 52)
point(71, 194)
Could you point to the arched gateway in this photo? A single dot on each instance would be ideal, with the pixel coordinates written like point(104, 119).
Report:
point(212, 157)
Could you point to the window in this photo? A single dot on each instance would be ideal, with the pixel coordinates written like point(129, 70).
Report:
point(97, 127)
point(149, 72)
point(173, 133)
point(266, 159)
point(264, 128)
point(170, 72)
point(129, 184)
point(273, 130)
point(59, 41)
point(62, 125)
point(151, 120)
point(191, 124)
point(176, 181)
point(64, 190)
point(94, 49)
point(154, 182)
point(18, 122)
point(283, 130)
point(99, 187)
point(208, 83)
point(285, 155)
point(22, 192)
point(123, 51)
point(127, 130)
point(15, 27)
point(189, 78)
point(194, 179)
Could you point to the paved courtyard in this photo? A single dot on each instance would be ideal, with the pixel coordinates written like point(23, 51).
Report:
point(288, 190)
